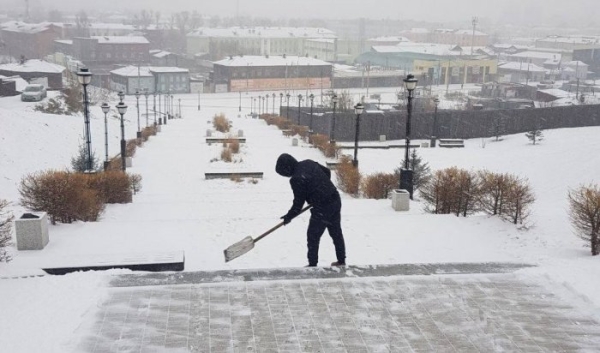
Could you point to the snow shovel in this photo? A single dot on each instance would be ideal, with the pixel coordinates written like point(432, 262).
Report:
point(243, 246)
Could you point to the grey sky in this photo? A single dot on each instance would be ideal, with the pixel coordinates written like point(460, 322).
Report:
point(569, 13)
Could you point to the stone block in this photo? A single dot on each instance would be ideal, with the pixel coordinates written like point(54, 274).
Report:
point(400, 200)
point(240, 133)
point(382, 138)
point(128, 162)
point(32, 231)
point(208, 133)
point(294, 142)
point(424, 144)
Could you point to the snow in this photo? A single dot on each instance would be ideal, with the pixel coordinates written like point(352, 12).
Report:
point(249, 60)
point(120, 39)
point(264, 32)
point(178, 209)
point(33, 65)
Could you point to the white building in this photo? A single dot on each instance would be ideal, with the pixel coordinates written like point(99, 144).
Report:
point(150, 79)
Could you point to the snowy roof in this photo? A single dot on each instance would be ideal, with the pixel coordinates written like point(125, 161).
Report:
point(572, 39)
point(537, 55)
point(33, 65)
point(64, 41)
point(389, 39)
point(558, 93)
point(120, 40)
point(20, 83)
point(469, 32)
point(111, 26)
point(160, 53)
point(18, 26)
point(576, 63)
point(416, 30)
point(264, 32)
point(246, 61)
point(146, 71)
point(515, 66)
point(421, 48)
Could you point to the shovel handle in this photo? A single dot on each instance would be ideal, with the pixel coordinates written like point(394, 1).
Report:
point(279, 225)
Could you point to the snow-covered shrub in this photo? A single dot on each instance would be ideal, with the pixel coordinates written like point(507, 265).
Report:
point(300, 130)
point(221, 123)
point(69, 102)
point(114, 186)
point(5, 231)
point(226, 155)
point(348, 176)
point(135, 183)
point(130, 147)
point(519, 200)
point(494, 192)
point(322, 143)
point(379, 185)
point(65, 196)
point(148, 131)
point(451, 190)
point(584, 211)
point(233, 144)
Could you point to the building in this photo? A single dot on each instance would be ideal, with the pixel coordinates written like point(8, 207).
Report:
point(36, 70)
point(111, 50)
point(520, 72)
point(150, 79)
point(273, 41)
point(434, 63)
point(548, 60)
point(257, 73)
point(165, 58)
point(574, 70)
point(462, 37)
point(29, 40)
point(359, 77)
point(322, 49)
point(569, 43)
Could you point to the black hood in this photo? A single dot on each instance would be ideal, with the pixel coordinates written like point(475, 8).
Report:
point(286, 165)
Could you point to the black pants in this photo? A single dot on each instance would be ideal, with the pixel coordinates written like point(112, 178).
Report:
point(325, 217)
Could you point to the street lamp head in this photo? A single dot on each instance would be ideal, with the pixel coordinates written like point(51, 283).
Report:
point(105, 108)
point(410, 82)
point(84, 76)
point(146, 93)
point(121, 95)
point(334, 99)
point(137, 94)
point(436, 101)
point(359, 108)
point(312, 97)
point(288, 96)
point(274, 95)
point(122, 108)
point(299, 97)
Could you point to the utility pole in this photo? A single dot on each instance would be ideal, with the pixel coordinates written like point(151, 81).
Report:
point(474, 22)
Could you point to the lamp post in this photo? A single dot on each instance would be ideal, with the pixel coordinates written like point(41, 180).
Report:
point(154, 107)
point(434, 131)
point(251, 106)
point(240, 106)
point(146, 95)
point(358, 109)
point(334, 100)
point(310, 124)
point(105, 109)
point(299, 101)
point(160, 117)
point(274, 95)
point(122, 109)
point(267, 103)
point(179, 101)
point(198, 100)
point(137, 106)
point(287, 110)
point(172, 107)
point(280, 102)
point(406, 174)
point(84, 77)
point(259, 105)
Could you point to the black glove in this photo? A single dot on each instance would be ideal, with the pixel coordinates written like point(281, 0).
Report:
point(286, 219)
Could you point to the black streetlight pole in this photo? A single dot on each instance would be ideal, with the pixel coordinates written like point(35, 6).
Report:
point(406, 174)
point(85, 77)
point(274, 95)
point(259, 105)
point(160, 117)
point(179, 101)
point(105, 109)
point(267, 103)
point(280, 102)
point(146, 95)
point(299, 101)
point(172, 107)
point(137, 106)
point(166, 117)
point(334, 100)
point(434, 132)
point(310, 124)
point(240, 106)
point(287, 110)
point(198, 100)
point(122, 109)
point(358, 109)
point(154, 107)
point(251, 106)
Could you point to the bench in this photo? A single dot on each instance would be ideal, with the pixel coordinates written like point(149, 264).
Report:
point(451, 143)
point(152, 262)
point(225, 139)
point(376, 147)
point(287, 133)
point(233, 175)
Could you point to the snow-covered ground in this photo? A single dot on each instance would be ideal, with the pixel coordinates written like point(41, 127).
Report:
point(179, 210)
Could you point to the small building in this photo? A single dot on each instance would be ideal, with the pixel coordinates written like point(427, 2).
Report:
point(150, 79)
point(29, 40)
point(520, 72)
point(258, 73)
point(36, 69)
point(574, 70)
point(551, 95)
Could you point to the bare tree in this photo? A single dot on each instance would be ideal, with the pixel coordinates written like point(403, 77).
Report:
point(584, 212)
point(83, 23)
point(5, 231)
point(520, 198)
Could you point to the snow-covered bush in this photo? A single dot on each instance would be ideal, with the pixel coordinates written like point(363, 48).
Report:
point(5, 231)
point(322, 143)
point(131, 146)
point(451, 190)
point(221, 123)
point(584, 211)
point(148, 131)
point(379, 185)
point(348, 176)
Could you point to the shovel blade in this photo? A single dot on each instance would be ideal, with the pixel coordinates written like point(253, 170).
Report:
point(238, 249)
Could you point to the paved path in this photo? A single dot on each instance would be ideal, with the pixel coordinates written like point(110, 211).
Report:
point(440, 313)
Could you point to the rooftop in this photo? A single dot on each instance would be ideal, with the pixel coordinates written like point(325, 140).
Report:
point(120, 39)
point(245, 61)
point(33, 65)
point(18, 26)
point(517, 66)
point(146, 71)
point(264, 32)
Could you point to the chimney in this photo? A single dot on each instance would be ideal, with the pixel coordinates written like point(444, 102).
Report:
point(284, 56)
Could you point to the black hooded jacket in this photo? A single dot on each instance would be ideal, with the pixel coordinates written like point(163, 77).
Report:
point(310, 181)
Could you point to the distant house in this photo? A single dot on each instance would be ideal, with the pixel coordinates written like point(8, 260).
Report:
point(256, 73)
point(520, 72)
point(150, 79)
point(29, 40)
point(36, 69)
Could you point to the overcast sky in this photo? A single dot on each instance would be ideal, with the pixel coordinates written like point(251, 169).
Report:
point(559, 12)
